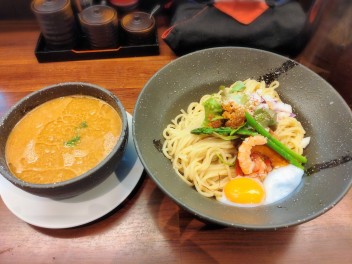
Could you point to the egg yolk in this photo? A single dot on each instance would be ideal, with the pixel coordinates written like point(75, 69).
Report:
point(244, 190)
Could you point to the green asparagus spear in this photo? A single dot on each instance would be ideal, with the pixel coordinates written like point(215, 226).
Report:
point(210, 130)
point(276, 143)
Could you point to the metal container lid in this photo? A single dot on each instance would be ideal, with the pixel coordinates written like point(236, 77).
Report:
point(98, 15)
point(79, 5)
point(124, 2)
point(49, 6)
point(137, 22)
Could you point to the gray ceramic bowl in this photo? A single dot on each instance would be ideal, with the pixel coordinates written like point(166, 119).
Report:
point(78, 184)
point(324, 114)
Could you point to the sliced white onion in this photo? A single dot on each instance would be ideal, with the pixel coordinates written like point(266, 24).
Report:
point(305, 142)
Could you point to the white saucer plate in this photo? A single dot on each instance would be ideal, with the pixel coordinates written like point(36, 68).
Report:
point(81, 209)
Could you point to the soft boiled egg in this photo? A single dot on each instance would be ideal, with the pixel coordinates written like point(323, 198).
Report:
point(243, 191)
point(249, 192)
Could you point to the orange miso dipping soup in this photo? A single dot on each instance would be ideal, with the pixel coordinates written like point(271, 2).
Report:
point(62, 139)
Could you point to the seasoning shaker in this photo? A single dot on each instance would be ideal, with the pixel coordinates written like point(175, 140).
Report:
point(138, 27)
point(56, 21)
point(100, 25)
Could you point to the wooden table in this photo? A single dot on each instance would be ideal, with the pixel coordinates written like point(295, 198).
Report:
point(148, 227)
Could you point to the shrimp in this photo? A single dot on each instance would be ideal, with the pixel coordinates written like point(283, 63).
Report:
point(262, 166)
point(247, 164)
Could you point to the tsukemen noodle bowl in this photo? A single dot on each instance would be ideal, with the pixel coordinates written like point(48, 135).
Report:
point(185, 108)
point(63, 140)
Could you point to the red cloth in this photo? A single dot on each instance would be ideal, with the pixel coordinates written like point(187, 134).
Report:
point(244, 11)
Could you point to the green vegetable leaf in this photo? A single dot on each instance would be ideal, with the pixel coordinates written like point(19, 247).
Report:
point(265, 117)
point(237, 86)
point(213, 109)
point(238, 98)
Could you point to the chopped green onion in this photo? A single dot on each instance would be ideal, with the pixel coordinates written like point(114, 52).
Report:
point(83, 124)
point(73, 141)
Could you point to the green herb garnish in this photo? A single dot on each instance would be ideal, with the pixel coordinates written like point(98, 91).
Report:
point(76, 139)
point(83, 125)
point(73, 141)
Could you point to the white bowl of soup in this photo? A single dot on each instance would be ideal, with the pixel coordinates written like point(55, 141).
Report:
point(63, 140)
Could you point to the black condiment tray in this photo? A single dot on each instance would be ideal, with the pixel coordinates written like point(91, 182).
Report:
point(82, 51)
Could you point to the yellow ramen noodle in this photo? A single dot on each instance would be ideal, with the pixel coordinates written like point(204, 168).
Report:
point(62, 138)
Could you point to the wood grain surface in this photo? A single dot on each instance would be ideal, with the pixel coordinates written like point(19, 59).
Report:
point(148, 227)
